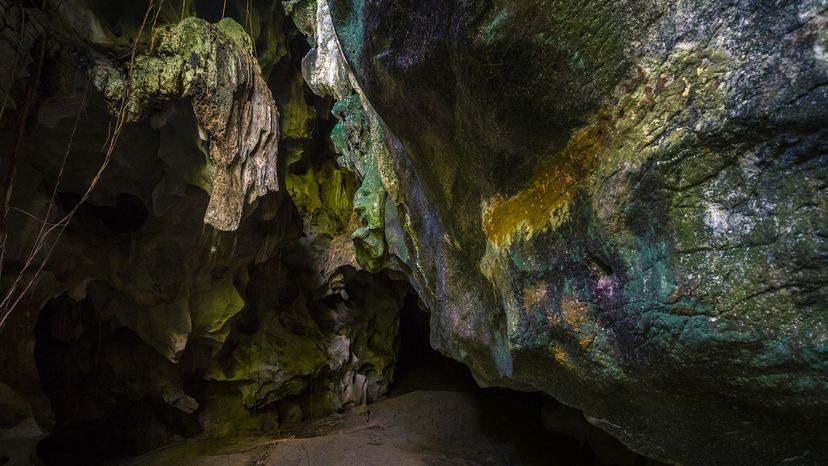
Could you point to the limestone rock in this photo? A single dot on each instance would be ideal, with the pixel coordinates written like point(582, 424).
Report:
point(146, 325)
point(214, 67)
point(620, 204)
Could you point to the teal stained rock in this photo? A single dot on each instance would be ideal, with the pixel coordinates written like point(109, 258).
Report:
point(620, 204)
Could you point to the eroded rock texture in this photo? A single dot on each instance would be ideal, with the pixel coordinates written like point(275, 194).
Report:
point(215, 68)
point(207, 287)
point(619, 203)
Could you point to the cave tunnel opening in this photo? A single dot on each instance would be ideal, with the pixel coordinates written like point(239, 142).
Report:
point(419, 366)
point(525, 427)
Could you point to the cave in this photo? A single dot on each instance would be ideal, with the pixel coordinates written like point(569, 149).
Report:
point(520, 425)
point(438, 232)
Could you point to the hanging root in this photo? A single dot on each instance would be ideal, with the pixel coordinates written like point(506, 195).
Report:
point(21, 286)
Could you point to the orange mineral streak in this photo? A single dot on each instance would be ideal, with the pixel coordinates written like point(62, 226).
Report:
point(573, 312)
point(545, 202)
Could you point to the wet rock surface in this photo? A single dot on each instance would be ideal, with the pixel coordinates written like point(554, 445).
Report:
point(618, 204)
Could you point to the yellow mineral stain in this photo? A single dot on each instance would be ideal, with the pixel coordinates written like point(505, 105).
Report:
point(573, 312)
point(545, 202)
point(563, 358)
point(648, 105)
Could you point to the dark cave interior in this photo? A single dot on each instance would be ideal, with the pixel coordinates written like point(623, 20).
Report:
point(535, 427)
point(531, 428)
point(113, 396)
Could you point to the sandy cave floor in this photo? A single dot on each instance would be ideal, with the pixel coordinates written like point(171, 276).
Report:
point(416, 428)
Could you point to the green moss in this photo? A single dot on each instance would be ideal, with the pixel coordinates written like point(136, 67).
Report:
point(183, 54)
point(223, 415)
point(236, 33)
point(336, 192)
point(360, 145)
point(212, 308)
point(304, 191)
point(213, 66)
point(296, 114)
point(324, 196)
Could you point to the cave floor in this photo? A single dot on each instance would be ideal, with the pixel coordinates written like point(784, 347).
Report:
point(414, 428)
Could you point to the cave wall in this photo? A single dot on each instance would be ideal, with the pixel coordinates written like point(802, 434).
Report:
point(620, 204)
point(208, 286)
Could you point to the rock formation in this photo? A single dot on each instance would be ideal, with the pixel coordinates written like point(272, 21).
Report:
point(619, 204)
point(207, 287)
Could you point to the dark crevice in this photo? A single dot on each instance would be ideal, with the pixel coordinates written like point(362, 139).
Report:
point(419, 366)
point(127, 215)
